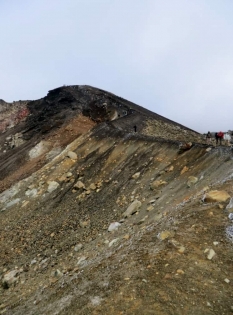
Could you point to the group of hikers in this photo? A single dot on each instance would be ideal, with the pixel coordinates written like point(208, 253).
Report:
point(219, 137)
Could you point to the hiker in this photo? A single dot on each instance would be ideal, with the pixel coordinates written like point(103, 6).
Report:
point(208, 138)
point(227, 138)
point(219, 136)
point(135, 128)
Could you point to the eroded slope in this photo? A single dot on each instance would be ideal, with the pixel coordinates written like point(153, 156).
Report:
point(55, 239)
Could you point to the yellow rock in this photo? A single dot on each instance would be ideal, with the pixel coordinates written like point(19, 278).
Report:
point(180, 271)
point(157, 183)
point(217, 196)
point(166, 234)
point(185, 169)
point(150, 208)
point(171, 168)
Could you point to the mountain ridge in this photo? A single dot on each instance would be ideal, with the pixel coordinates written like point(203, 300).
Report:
point(97, 218)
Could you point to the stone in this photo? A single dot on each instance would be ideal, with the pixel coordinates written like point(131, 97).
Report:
point(171, 168)
point(72, 155)
point(134, 207)
point(158, 216)
point(33, 262)
point(152, 201)
point(13, 202)
point(180, 271)
point(79, 185)
point(68, 175)
point(11, 277)
point(192, 180)
point(208, 149)
point(84, 224)
point(166, 234)
point(114, 241)
point(229, 207)
point(136, 175)
point(41, 148)
point(78, 247)
point(31, 192)
point(52, 186)
point(227, 280)
point(181, 249)
point(184, 170)
point(25, 203)
point(92, 186)
point(157, 183)
point(216, 196)
point(211, 253)
point(114, 226)
point(82, 260)
point(57, 273)
point(150, 208)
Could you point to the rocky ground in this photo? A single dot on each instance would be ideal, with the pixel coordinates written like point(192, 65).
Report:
point(98, 219)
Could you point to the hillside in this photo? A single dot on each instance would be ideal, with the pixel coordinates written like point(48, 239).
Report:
point(70, 166)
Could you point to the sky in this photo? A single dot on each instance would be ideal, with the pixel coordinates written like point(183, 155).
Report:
point(173, 57)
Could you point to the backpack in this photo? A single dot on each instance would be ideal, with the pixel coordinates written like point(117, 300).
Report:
point(220, 134)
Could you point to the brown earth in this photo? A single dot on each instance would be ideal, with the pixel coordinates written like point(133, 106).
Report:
point(159, 259)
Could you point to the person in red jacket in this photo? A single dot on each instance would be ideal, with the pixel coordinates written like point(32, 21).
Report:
point(219, 136)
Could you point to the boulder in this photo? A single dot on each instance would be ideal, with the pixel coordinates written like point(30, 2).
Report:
point(216, 196)
point(134, 207)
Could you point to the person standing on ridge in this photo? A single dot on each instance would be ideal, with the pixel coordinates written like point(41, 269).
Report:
point(219, 136)
point(208, 138)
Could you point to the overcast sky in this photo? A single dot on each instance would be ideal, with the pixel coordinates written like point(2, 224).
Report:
point(174, 57)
